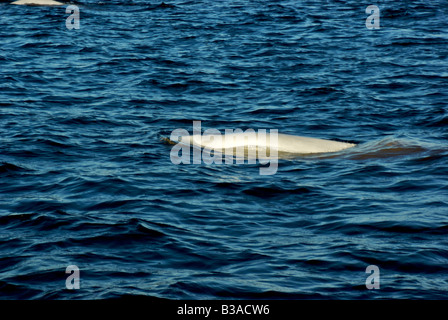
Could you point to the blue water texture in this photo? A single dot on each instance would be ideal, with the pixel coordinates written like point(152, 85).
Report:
point(86, 177)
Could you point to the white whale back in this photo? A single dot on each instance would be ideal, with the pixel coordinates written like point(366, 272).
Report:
point(38, 2)
point(285, 142)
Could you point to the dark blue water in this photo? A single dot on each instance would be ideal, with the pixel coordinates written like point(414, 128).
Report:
point(86, 177)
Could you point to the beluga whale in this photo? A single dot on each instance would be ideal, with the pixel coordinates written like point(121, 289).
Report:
point(237, 145)
point(251, 140)
point(38, 3)
point(284, 142)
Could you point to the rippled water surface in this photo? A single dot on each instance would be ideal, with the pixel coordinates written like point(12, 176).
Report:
point(86, 177)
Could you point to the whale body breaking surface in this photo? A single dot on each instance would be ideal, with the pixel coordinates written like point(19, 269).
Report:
point(282, 142)
point(38, 2)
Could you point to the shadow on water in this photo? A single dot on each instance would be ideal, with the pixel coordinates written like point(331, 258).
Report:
point(386, 148)
point(392, 147)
